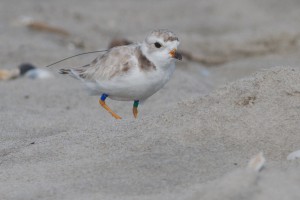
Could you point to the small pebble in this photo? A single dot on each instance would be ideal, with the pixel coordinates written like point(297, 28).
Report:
point(294, 155)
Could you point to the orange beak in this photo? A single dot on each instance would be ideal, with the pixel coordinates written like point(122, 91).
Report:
point(175, 54)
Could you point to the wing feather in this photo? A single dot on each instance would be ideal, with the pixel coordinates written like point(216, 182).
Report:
point(116, 61)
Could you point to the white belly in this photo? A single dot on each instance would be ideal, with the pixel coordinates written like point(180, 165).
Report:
point(136, 85)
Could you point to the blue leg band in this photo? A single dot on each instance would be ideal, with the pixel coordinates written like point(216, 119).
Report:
point(103, 97)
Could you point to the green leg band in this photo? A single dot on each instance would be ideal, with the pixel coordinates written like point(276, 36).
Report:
point(136, 103)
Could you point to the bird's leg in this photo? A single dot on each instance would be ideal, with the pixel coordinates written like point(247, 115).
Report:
point(103, 104)
point(134, 109)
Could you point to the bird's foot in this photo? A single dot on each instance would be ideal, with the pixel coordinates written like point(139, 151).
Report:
point(134, 109)
point(135, 112)
point(103, 104)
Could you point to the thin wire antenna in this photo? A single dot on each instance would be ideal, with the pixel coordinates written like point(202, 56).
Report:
point(76, 56)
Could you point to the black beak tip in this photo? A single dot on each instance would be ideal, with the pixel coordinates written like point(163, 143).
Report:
point(178, 56)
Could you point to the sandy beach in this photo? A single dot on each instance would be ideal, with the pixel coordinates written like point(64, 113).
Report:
point(192, 140)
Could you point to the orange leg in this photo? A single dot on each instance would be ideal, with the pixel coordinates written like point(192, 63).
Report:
point(134, 109)
point(103, 104)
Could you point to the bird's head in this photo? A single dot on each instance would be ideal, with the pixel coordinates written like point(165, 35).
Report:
point(160, 47)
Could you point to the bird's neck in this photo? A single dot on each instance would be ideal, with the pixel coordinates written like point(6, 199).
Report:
point(162, 63)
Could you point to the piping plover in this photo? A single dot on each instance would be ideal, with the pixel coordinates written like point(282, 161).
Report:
point(133, 72)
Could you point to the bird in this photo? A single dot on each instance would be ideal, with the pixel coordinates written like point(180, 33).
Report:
point(131, 72)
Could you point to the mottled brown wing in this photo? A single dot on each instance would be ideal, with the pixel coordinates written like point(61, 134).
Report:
point(115, 62)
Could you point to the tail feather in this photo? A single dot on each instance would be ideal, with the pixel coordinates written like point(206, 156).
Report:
point(64, 71)
point(75, 73)
point(78, 73)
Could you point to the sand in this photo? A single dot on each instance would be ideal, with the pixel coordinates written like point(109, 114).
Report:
point(192, 140)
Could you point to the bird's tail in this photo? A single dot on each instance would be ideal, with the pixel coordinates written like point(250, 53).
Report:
point(91, 86)
point(75, 73)
point(64, 71)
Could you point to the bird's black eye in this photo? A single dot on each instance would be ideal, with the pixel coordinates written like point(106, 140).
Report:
point(157, 44)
